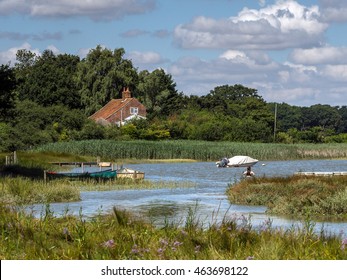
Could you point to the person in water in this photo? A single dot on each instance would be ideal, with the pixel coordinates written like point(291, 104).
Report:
point(248, 172)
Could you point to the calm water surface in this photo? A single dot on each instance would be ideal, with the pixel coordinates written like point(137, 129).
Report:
point(206, 198)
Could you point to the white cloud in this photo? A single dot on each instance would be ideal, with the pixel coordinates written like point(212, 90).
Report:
point(296, 84)
point(234, 54)
point(335, 72)
point(324, 55)
point(148, 58)
point(282, 25)
point(334, 10)
point(9, 56)
point(54, 49)
point(95, 9)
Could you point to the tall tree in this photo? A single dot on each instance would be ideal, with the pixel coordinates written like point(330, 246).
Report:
point(7, 95)
point(323, 116)
point(158, 93)
point(101, 77)
point(51, 79)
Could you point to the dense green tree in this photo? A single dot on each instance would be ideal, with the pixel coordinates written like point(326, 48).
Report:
point(50, 81)
point(7, 94)
point(158, 93)
point(343, 125)
point(318, 115)
point(101, 77)
point(288, 116)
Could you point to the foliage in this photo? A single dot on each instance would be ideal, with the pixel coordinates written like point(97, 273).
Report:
point(121, 235)
point(198, 150)
point(101, 77)
point(7, 96)
point(158, 93)
point(314, 197)
point(35, 125)
point(48, 79)
point(47, 98)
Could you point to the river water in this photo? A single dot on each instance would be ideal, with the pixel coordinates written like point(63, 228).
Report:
point(201, 192)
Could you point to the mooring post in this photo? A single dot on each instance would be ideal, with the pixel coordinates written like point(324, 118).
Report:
point(82, 167)
point(45, 176)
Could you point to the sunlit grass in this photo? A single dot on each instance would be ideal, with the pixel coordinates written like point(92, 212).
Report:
point(197, 150)
point(299, 196)
point(120, 235)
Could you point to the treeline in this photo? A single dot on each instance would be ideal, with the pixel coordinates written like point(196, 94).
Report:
point(48, 98)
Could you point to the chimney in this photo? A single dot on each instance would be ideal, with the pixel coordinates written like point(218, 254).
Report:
point(126, 93)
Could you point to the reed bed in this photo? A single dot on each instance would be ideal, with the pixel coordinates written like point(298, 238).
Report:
point(314, 197)
point(19, 191)
point(123, 236)
point(197, 150)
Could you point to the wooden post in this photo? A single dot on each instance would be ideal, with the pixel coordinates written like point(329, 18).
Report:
point(15, 157)
point(45, 176)
point(82, 167)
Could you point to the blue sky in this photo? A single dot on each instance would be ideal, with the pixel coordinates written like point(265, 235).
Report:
point(290, 51)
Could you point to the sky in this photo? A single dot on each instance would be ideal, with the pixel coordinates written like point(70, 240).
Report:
point(290, 51)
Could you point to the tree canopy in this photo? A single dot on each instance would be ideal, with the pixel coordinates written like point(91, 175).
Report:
point(48, 97)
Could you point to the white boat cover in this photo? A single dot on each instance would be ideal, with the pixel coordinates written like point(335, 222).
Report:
point(241, 161)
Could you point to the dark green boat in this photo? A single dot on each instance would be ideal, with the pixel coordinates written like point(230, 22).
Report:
point(104, 174)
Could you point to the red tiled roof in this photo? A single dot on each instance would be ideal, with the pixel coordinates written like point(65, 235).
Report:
point(110, 108)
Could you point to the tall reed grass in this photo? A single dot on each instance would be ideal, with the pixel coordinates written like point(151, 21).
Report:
point(198, 150)
point(120, 235)
point(19, 191)
point(314, 197)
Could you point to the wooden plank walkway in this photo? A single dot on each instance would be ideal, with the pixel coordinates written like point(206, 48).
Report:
point(91, 163)
point(333, 173)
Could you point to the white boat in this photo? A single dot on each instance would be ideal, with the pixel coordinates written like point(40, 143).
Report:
point(237, 161)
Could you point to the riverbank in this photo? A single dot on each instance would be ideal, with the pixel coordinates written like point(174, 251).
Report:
point(122, 236)
point(295, 196)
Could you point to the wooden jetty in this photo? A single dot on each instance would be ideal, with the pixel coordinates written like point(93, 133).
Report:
point(78, 164)
point(332, 173)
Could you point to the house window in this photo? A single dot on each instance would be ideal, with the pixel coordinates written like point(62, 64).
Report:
point(134, 110)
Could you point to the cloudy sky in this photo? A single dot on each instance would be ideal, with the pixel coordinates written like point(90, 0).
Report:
point(290, 51)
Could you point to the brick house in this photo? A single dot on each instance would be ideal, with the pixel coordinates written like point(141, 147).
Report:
point(120, 111)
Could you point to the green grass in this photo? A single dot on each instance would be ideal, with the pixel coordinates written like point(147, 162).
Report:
point(197, 150)
point(19, 191)
point(123, 236)
point(314, 197)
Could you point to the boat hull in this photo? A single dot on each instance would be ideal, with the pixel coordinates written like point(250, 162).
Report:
point(105, 174)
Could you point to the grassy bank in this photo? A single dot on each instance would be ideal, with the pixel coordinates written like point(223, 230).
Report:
point(314, 197)
point(120, 235)
point(19, 191)
point(197, 150)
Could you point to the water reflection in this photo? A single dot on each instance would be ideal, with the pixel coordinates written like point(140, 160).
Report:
point(206, 200)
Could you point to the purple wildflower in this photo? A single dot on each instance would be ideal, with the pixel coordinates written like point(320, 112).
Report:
point(177, 244)
point(66, 231)
point(250, 258)
point(109, 243)
point(197, 248)
point(164, 242)
point(135, 250)
point(344, 244)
